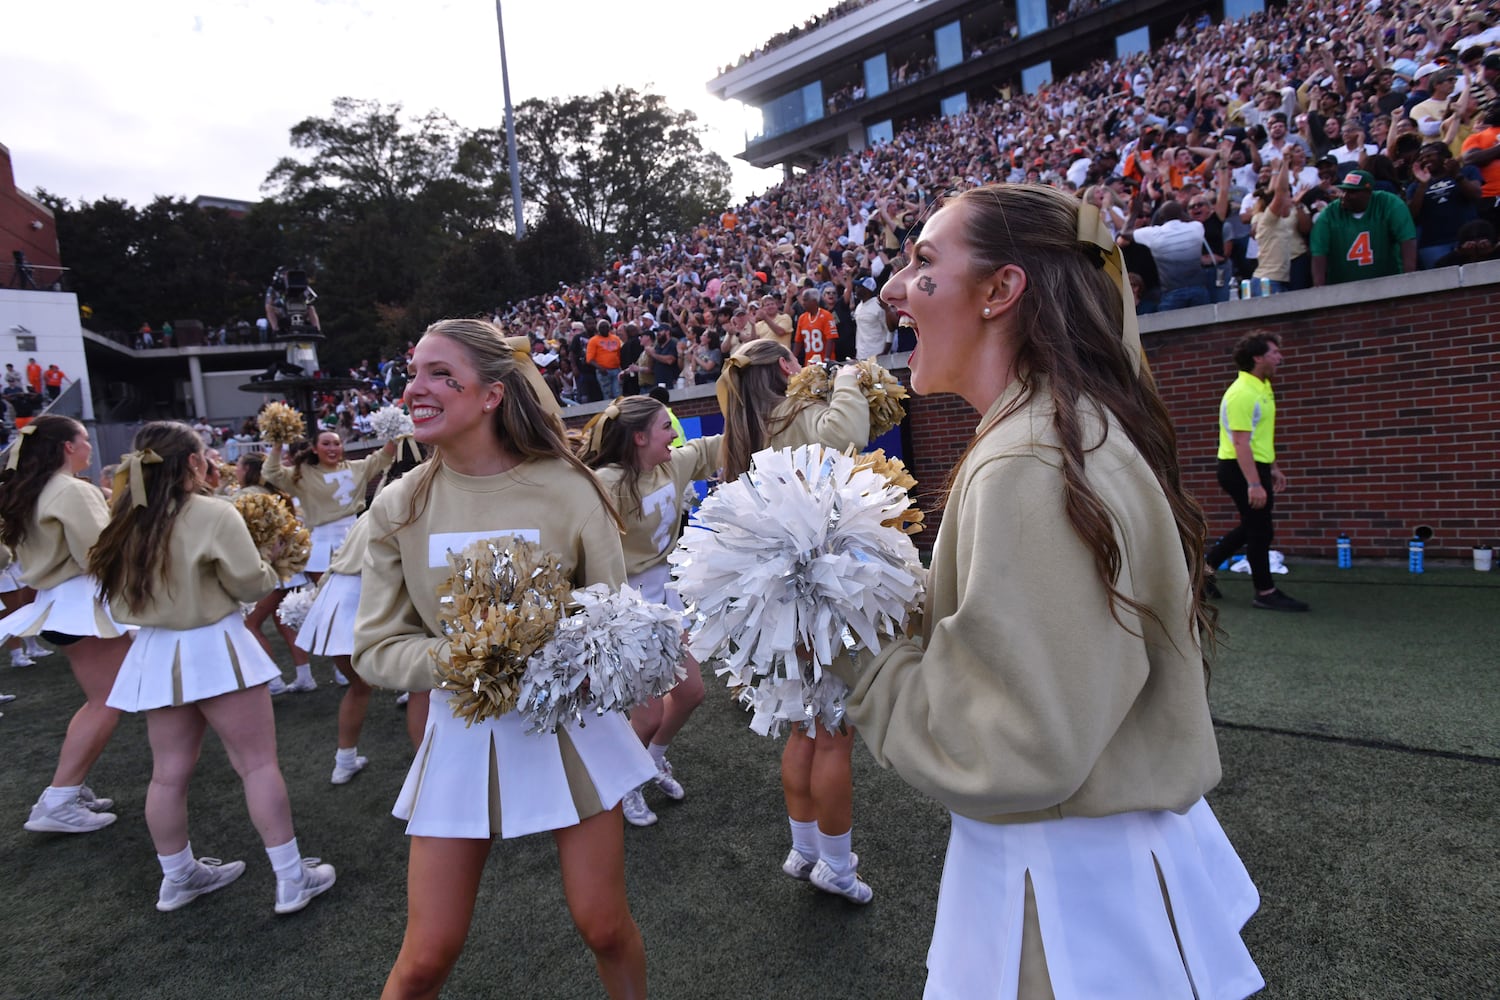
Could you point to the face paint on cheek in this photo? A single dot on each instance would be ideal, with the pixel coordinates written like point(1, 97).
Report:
point(926, 284)
point(453, 384)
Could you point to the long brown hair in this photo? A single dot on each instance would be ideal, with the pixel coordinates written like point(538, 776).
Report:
point(616, 445)
point(1069, 345)
point(752, 392)
point(526, 427)
point(42, 456)
point(130, 560)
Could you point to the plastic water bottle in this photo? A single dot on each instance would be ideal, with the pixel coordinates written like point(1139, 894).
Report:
point(1414, 555)
point(1346, 551)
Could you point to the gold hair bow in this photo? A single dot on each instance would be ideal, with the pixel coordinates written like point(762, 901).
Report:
point(596, 426)
point(721, 389)
point(132, 474)
point(1096, 237)
point(14, 462)
point(521, 347)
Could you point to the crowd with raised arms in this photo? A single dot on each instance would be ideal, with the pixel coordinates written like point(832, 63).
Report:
point(1228, 138)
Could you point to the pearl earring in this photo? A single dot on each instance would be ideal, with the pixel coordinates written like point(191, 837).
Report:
point(986, 312)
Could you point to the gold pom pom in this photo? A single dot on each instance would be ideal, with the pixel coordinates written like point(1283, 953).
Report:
point(501, 602)
point(893, 471)
point(282, 540)
point(279, 423)
point(881, 390)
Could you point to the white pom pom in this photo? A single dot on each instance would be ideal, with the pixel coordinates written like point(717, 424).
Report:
point(627, 648)
point(390, 422)
point(795, 554)
point(292, 611)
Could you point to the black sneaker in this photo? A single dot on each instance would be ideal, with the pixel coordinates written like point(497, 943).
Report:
point(1277, 601)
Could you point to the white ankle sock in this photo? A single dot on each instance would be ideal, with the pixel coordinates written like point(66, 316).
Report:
point(345, 756)
point(805, 838)
point(177, 867)
point(59, 796)
point(835, 850)
point(658, 754)
point(34, 645)
point(287, 860)
point(304, 672)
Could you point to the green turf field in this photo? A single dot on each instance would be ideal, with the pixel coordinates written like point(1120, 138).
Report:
point(1361, 754)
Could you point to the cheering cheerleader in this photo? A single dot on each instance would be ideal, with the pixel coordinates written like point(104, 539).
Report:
point(329, 490)
point(1057, 705)
point(179, 564)
point(50, 518)
point(248, 471)
point(501, 467)
point(629, 446)
point(15, 594)
point(816, 776)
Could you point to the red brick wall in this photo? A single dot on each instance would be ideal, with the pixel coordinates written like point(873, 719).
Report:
point(17, 212)
point(1388, 416)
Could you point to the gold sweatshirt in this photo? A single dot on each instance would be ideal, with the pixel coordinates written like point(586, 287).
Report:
point(326, 494)
point(651, 532)
point(214, 567)
point(545, 500)
point(1027, 700)
point(843, 421)
point(70, 513)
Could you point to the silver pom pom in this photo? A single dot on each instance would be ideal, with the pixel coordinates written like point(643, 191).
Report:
point(292, 611)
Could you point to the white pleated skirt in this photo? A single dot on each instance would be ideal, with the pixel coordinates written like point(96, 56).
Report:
point(180, 666)
point(1105, 928)
point(10, 579)
point(297, 580)
point(328, 629)
point(70, 608)
point(495, 778)
point(326, 538)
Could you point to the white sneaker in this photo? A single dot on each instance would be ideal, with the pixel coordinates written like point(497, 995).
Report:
point(92, 802)
point(6, 697)
point(342, 774)
point(339, 678)
point(799, 866)
point(303, 684)
point(294, 894)
point(403, 698)
point(70, 817)
point(637, 813)
point(849, 884)
point(670, 786)
point(34, 648)
point(277, 686)
point(208, 874)
point(18, 658)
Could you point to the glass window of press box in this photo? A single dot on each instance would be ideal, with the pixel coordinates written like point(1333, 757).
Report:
point(793, 110)
point(877, 76)
point(949, 43)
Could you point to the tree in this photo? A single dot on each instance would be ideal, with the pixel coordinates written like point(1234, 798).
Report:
point(556, 249)
point(627, 167)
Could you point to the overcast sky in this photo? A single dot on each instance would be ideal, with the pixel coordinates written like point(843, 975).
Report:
point(190, 97)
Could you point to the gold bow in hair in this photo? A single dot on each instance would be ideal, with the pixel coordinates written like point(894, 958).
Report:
point(14, 462)
point(407, 445)
point(721, 390)
point(521, 347)
point(596, 426)
point(1097, 239)
point(132, 474)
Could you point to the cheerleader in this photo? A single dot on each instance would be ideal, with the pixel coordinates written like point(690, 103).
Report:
point(50, 518)
point(329, 490)
point(1057, 704)
point(629, 447)
point(14, 594)
point(179, 564)
point(501, 467)
point(248, 470)
point(816, 775)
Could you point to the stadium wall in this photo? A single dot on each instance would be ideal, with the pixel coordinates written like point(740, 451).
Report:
point(1388, 411)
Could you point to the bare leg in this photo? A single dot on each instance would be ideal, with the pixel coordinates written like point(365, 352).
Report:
point(176, 735)
point(832, 780)
point(266, 608)
point(416, 716)
point(592, 857)
point(247, 728)
point(442, 881)
point(353, 705)
point(661, 719)
point(796, 776)
point(95, 663)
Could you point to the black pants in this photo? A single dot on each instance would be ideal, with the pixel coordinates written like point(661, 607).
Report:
point(1254, 531)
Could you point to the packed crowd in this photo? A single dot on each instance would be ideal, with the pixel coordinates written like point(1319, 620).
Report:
point(1226, 156)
